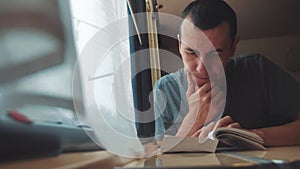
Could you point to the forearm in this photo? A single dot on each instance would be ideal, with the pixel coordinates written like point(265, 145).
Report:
point(284, 135)
point(199, 99)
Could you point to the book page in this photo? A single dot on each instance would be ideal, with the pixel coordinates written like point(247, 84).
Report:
point(239, 132)
point(188, 144)
point(241, 139)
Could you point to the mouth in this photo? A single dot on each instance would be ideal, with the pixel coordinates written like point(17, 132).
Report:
point(201, 80)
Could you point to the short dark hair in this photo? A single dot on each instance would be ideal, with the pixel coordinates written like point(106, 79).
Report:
point(207, 14)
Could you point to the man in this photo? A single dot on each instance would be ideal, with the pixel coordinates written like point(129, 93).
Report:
point(258, 96)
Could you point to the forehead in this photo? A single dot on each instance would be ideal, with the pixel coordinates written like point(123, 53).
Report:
point(193, 37)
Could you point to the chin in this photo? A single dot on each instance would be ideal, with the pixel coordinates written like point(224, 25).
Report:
point(201, 82)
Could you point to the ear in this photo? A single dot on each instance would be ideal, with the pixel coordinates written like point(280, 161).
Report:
point(179, 42)
point(235, 43)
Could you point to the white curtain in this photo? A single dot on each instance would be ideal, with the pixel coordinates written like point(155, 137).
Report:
point(90, 16)
point(102, 39)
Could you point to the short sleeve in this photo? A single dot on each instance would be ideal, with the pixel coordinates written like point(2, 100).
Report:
point(169, 103)
point(159, 101)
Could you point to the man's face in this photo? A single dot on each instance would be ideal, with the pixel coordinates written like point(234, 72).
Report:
point(205, 53)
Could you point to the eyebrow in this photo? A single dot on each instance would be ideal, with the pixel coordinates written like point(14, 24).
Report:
point(190, 49)
point(186, 47)
point(219, 50)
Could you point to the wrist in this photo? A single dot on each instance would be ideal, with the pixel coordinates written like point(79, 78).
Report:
point(188, 127)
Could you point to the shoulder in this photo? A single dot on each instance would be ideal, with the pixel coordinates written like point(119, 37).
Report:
point(174, 79)
point(250, 62)
point(249, 58)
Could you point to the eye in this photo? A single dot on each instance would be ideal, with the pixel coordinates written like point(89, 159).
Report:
point(214, 54)
point(189, 51)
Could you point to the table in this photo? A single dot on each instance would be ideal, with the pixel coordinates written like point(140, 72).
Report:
point(275, 157)
point(82, 160)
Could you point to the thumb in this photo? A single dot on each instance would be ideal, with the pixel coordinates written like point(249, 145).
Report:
point(207, 129)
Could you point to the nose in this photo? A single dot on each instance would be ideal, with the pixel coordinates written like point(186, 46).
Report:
point(200, 67)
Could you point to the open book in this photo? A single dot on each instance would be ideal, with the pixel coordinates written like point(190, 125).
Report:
point(230, 137)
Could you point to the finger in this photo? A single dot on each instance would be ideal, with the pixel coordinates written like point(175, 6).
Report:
point(205, 88)
point(205, 98)
point(224, 122)
point(201, 96)
point(207, 129)
point(197, 133)
point(259, 132)
point(235, 125)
